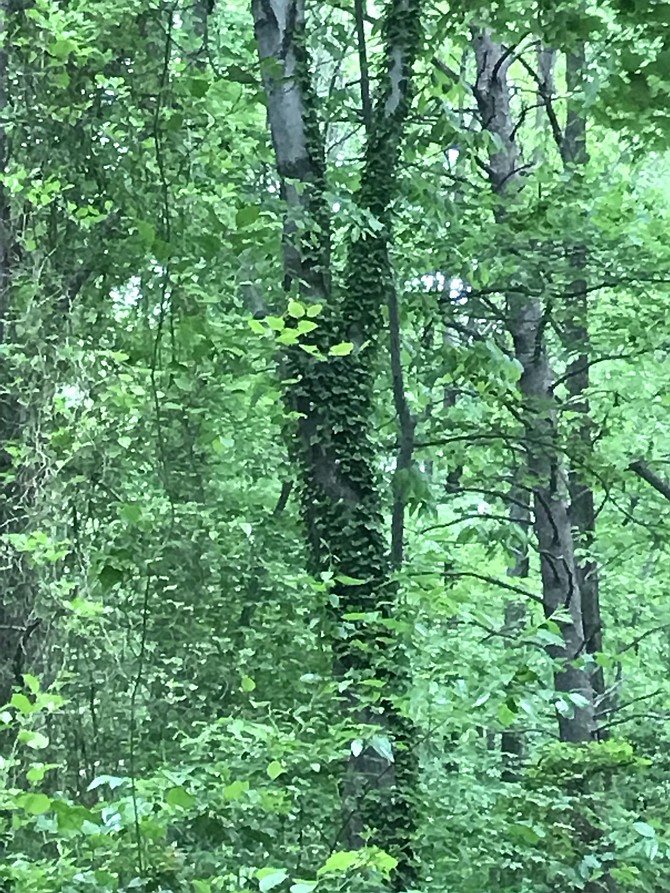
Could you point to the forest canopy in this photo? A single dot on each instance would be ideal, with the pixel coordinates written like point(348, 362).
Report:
point(334, 446)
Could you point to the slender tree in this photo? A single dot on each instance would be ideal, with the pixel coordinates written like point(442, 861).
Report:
point(527, 320)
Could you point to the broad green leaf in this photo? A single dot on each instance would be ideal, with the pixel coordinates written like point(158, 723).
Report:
point(382, 745)
point(273, 878)
point(305, 326)
point(275, 769)
point(296, 309)
point(247, 215)
point(256, 327)
point(34, 804)
point(34, 740)
point(235, 789)
point(22, 703)
point(131, 512)
point(343, 349)
point(506, 716)
point(644, 829)
point(340, 861)
point(32, 683)
point(248, 683)
point(303, 887)
point(179, 796)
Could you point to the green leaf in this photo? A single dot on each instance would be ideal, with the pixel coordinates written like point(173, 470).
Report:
point(61, 47)
point(256, 327)
point(130, 512)
point(505, 716)
point(303, 887)
point(314, 309)
point(276, 323)
point(288, 336)
point(146, 231)
point(31, 682)
point(305, 326)
point(198, 87)
point(114, 781)
point(644, 829)
point(296, 309)
point(248, 683)
point(273, 878)
point(179, 796)
point(340, 862)
point(22, 703)
point(382, 745)
point(275, 769)
point(38, 770)
point(247, 215)
point(34, 740)
point(343, 349)
point(34, 804)
point(235, 789)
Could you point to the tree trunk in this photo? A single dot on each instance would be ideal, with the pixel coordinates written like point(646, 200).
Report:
point(526, 321)
point(341, 501)
point(576, 336)
point(17, 624)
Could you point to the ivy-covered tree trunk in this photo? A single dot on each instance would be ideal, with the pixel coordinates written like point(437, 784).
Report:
point(342, 505)
point(527, 318)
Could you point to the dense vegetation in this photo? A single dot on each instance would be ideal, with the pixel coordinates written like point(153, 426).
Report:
point(334, 446)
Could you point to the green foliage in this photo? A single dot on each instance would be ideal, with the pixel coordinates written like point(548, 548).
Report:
point(199, 456)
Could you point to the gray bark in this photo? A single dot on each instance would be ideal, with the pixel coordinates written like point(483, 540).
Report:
point(526, 320)
point(576, 336)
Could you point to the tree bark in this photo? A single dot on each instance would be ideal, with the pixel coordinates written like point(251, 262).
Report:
point(576, 336)
point(341, 500)
point(527, 320)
